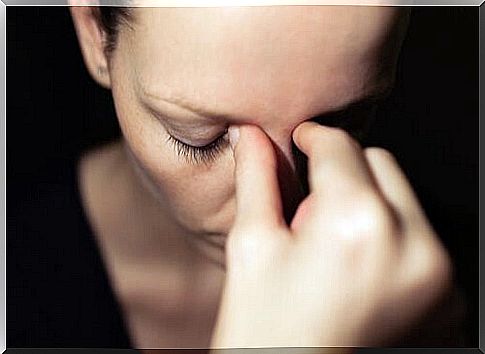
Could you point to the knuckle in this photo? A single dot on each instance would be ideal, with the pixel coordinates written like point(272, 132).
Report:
point(435, 272)
point(246, 244)
point(366, 216)
point(240, 248)
point(440, 271)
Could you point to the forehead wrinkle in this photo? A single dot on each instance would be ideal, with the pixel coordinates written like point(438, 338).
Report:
point(265, 114)
point(180, 101)
point(173, 98)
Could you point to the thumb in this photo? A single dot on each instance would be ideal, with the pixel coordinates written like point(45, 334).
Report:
point(258, 198)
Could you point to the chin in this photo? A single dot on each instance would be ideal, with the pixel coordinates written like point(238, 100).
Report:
point(216, 224)
point(211, 246)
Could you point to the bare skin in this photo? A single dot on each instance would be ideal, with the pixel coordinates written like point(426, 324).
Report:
point(161, 218)
point(166, 303)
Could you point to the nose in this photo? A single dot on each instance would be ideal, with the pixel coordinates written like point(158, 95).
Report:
point(292, 174)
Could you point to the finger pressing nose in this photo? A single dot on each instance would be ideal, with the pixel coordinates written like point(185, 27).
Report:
point(257, 192)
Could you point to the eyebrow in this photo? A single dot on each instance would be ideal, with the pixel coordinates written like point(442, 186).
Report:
point(211, 115)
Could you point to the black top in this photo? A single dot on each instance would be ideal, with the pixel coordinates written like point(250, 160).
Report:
point(58, 293)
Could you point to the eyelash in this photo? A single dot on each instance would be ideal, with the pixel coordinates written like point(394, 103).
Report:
point(200, 154)
point(208, 153)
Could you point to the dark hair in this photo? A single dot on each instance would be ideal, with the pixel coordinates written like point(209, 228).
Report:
point(111, 18)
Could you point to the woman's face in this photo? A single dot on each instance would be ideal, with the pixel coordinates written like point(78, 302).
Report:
point(181, 77)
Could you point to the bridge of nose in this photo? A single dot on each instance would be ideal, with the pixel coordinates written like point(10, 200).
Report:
point(292, 177)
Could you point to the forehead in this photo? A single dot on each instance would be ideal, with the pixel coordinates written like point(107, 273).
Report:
point(262, 61)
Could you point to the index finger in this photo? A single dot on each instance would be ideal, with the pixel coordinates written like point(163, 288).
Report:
point(336, 161)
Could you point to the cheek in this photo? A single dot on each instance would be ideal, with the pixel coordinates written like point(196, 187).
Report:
point(200, 198)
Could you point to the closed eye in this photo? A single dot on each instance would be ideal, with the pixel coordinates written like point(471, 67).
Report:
point(196, 155)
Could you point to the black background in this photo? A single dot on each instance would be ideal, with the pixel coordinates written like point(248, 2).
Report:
point(430, 121)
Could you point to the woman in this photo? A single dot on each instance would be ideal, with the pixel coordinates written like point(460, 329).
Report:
point(207, 229)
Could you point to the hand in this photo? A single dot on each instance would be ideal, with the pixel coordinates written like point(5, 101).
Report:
point(358, 265)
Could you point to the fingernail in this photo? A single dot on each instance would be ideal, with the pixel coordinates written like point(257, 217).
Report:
point(233, 136)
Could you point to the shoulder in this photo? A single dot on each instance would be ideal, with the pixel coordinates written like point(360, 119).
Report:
point(48, 200)
point(100, 161)
point(98, 169)
point(58, 292)
point(103, 187)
